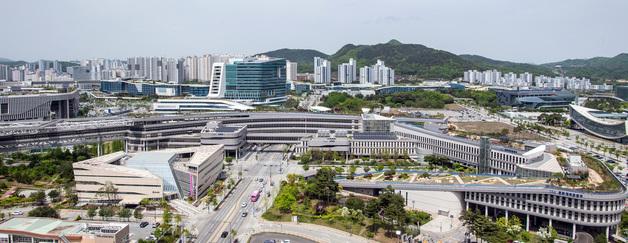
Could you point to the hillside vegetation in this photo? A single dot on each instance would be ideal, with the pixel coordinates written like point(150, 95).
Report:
point(430, 63)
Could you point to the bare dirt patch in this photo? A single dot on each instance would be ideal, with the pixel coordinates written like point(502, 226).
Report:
point(489, 127)
point(454, 107)
point(595, 178)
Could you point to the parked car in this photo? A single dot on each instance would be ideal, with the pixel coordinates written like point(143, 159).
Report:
point(224, 234)
point(244, 204)
point(143, 224)
point(155, 225)
point(15, 213)
point(244, 214)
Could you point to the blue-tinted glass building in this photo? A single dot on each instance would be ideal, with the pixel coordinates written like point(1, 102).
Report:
point(261, 81)
point(153, 89)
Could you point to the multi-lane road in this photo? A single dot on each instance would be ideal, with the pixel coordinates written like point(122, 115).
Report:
point(229, 214)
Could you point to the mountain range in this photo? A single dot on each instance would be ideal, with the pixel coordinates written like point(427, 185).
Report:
point(430, 63)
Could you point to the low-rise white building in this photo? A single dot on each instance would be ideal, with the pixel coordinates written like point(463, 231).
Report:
point(170, 173)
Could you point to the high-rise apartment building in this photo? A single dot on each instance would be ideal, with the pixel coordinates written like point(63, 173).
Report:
point(366, 75)
point(322, 71)
point(377, 74)
point(291, 70)
point(347, 72)
point(4, 72)
point(205, 66)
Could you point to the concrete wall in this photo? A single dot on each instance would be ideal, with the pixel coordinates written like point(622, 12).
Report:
point(431, 202)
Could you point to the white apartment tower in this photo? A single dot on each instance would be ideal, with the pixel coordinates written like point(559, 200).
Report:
point(366, 75)
point(205, 68)
point(387, 77)
point(172, 71)
point(347, 72)
point(291, 70)
point(322, 71)
point(378, 74)
point(190, 71)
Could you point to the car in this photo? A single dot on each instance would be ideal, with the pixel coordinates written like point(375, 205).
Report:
point(244, 204)
point(286, 241)
point(143, 224)
point(269, 241)
point(150, 237)
point(18, 213)
point(244, 214)
point(261, 180)
point(155, 225)
point(224, 234)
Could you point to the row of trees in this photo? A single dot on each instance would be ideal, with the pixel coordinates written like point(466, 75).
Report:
point(602, 147)
point(552, 119)
point(386, 155)
point(108, 212)
point(417, 99)
point(502, 230)
point(486, 99)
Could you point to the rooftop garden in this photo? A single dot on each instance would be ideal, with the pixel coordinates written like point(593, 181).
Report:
point(317, 201)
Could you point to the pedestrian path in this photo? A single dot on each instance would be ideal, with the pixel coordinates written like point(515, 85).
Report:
point(184, 207)
point(309, 231)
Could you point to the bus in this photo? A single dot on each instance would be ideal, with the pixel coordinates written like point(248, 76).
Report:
point(255, 196)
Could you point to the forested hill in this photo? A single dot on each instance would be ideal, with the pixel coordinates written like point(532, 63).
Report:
point(305, 57)
point(597, 68)
point(426, 62)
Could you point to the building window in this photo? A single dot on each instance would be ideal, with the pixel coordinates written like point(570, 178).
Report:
point(4, 108)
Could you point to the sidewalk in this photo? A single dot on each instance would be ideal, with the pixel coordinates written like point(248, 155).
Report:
point(309, 231)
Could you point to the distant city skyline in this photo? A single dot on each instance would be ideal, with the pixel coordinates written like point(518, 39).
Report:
point(521, 31)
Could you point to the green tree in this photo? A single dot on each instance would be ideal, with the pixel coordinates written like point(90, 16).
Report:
point(54, 195)
point(284, 201)
point(379, 167)
point(44, 211)
point(105, 212)
point(354, 203)
point(91, 212)
point(137, 214)
point(39, 197)
point(393, 207)
point(366, 169)
point(322, 185)
point(124, 213)
point(306, 157)
point(339, 170)
point(600, 238)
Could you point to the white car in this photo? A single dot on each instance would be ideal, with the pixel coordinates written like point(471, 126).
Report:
point(18, 213)
point(244, 204)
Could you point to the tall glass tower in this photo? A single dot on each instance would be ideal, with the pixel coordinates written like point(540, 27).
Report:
point(261, 81)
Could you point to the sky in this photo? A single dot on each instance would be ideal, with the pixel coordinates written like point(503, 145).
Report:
point(532, 31)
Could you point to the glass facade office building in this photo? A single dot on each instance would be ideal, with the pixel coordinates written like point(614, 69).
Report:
point(258, 80)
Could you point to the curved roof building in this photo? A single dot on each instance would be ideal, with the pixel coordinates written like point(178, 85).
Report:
point(599, 123)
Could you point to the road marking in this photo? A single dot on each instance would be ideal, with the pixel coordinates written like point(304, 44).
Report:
point(224, 223)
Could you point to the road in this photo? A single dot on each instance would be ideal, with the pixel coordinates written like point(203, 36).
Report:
point(261, 237)
point(229, 215)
